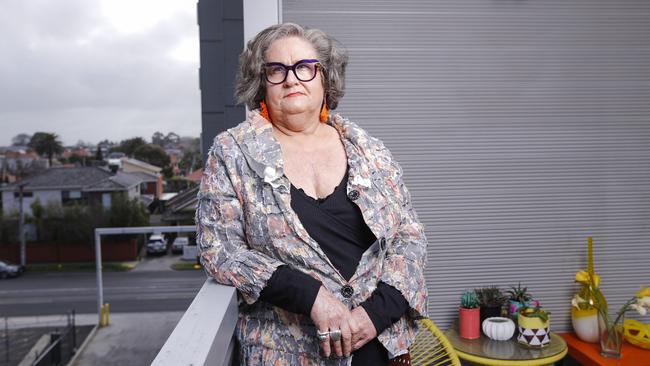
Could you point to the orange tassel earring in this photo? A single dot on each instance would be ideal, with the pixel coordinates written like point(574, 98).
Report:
point(264, 111)
point(324, 113)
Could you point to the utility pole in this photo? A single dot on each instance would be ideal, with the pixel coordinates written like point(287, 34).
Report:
point(21, 226)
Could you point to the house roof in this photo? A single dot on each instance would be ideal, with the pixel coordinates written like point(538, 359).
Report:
point(184, 200)
point(117, 182)
point(80, 178)
point(145, 177)
point(63, 178)
point(141, 164)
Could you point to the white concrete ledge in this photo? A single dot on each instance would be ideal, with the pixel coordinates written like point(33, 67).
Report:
point(204, 334)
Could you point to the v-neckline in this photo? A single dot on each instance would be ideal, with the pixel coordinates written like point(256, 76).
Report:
point(320, 201)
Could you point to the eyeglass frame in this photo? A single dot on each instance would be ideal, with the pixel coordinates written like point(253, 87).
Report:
point(288, 68)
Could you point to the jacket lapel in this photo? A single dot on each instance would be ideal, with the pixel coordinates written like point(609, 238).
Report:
point(264, 156)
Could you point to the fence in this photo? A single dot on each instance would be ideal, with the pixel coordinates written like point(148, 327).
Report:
point(41, 343)
point(62, 346)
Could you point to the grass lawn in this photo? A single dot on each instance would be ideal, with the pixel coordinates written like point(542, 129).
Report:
point(182, 266)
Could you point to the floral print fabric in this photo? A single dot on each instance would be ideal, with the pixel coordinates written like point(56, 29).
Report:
point(246, 229)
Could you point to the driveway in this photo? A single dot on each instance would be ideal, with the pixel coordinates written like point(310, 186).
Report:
point(157, 263)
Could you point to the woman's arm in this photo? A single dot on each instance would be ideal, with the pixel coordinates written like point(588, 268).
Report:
point(406, 254)
point(220, 229)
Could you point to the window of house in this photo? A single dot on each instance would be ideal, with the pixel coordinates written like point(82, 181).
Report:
point(25, 194)
point(71, 196)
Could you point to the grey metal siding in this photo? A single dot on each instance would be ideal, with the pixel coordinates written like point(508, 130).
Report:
point(522, 126)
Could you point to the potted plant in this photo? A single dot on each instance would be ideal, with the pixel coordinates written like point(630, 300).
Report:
point(469, 316)
point(585, 303)
point(534, 326)
point(517, 297)
point(491, 301)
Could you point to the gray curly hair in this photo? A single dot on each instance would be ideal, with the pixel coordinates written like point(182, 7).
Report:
point(250, 87)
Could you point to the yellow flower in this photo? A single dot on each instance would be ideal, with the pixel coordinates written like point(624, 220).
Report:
point(584, 278)
point(645, 291)
point(596, 280)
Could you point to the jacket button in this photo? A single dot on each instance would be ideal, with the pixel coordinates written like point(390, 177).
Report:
point(347, 291)
point(382, 244)
point(353, 195)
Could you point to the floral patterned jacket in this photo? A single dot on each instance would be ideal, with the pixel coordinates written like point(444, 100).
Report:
point(246, 229)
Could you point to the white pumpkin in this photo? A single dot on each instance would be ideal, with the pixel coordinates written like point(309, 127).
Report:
point(498, 328)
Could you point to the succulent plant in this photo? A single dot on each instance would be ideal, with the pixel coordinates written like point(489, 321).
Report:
point(519, 294)
point(490, 296)
point(534, 312)
point(469, 300)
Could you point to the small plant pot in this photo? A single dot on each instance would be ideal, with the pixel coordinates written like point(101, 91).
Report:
point(490, 312)
point(469, 326)
point(498, 328)
point(533, 331)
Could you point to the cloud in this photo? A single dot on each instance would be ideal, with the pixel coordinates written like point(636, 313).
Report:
point(72, 68)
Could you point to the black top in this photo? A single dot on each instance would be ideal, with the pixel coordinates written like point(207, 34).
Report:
point(337, 224)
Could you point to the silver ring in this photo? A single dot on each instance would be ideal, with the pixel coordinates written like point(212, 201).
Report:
point(322, 336)
point(335, 335)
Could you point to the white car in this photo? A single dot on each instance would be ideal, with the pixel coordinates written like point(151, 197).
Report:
point(179, 243)
point(157, 244)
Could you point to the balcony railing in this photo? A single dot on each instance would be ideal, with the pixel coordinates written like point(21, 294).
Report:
point(204, 335)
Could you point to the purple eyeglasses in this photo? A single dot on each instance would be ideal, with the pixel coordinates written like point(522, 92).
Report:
point(304, 70)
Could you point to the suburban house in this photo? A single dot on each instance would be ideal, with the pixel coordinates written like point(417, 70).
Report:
point(180, 209)
point(150, 176)
point(67, 185)
point(18, 160)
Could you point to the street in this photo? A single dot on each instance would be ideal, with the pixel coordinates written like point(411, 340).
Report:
point(156, 289)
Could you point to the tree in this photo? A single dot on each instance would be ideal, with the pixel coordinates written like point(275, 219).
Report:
point(98, 155)
point(22, 139)
point(129, 146)
point(46, 144)
point(172, 139)
point(127, 212)
point(158, 138)
point(152, 154)
point(192, 158)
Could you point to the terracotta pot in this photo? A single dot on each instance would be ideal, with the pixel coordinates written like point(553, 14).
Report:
point(469, 323)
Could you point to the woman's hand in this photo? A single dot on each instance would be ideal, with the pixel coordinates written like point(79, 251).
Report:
point(363, 330)
point(328, 314)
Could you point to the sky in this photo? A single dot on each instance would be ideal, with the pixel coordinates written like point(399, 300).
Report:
point(98, 69)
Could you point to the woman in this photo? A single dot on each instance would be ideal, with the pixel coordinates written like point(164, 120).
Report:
point(308, 217)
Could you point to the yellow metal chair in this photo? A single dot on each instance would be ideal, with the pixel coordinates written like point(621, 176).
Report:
point(431, 347)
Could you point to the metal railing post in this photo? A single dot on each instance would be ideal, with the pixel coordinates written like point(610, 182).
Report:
point(100, 285)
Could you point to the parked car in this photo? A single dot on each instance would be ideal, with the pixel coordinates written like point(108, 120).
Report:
point(157, 244)
point(8, 269)
point(179, 243)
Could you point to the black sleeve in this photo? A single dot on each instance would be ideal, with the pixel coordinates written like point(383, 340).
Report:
point(385, 306)
point(291, 290)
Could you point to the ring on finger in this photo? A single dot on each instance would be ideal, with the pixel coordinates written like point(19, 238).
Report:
point(322, 336)
point(335, 335)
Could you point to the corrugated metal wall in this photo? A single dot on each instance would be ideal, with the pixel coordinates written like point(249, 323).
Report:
point(522, 126)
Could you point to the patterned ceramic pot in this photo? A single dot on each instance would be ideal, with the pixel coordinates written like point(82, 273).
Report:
point(533, 331)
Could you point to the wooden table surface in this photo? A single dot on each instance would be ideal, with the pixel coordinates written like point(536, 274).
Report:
point(588, 354)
